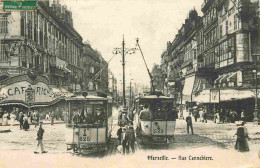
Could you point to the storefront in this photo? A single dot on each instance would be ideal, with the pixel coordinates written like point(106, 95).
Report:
point(26, 92)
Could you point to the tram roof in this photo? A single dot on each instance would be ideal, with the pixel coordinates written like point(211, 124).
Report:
point(155, 97)
point(89, 97)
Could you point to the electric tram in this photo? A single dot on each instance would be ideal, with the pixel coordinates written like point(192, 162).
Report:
point(155, 119)
point(91, 119)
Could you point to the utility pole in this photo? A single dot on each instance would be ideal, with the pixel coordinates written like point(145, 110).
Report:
point(130, 99)
point(124, 51)
point(123, 63)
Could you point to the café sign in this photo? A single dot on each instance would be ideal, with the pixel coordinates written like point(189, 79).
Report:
point(22, 91)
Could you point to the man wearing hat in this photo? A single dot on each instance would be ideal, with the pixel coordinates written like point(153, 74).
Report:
point(130, 133)
point(39, 138)
point(20, 118)
point(124, 140)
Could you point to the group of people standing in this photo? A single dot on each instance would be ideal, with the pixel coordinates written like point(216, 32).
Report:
point(21, 117)
point(126, 134)
point(199, 113)
point(219, 116)
point(227, 116)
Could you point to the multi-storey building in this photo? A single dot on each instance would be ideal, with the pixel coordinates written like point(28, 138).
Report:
point(218, 52)
point(112, 86)
point(95, 70)
point(157, 75)
point(44, 41)
point(102, 81)
point(91, 66)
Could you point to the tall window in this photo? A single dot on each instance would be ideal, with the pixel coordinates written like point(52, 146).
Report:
point(226, 27)
point(29, 24)
point(235, 22)
point(220, 31)
point(3, 25)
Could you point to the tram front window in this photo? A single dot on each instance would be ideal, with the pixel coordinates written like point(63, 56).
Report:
point(89, 118)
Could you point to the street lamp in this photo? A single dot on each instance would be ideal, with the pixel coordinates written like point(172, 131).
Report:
point(123, 51)
point(256, 120)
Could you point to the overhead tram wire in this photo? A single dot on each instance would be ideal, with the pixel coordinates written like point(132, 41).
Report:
point(150, 75)
point(99, 72)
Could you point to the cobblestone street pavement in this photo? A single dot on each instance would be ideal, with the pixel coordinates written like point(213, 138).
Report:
point(210, 139)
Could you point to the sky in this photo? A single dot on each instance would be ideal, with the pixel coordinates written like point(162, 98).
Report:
point(104, 22)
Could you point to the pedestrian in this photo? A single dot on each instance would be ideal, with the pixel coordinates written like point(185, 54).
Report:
point(130, 133)
point(119, 135)
point(37, 118)
point(221, 115)
point(204, 115)
point(217, 117)
point(52, 118)
point(201, 114)
point(124, 141)
point(124, 120)
point(12, 118)
point(234, 116)
point(31, 116)
point(47, 116)
point(189, 124)
point(25, 123)
point(242, 136)
point(20, 118)
point(196, 113)
point(64, 116)
point(40, 138)
point(5, 118)
point(243, 115)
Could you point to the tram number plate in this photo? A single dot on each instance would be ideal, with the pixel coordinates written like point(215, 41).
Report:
point(158, 131)
point(84, 138)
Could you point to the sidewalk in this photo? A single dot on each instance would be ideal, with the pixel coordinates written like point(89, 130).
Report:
point(6, 128)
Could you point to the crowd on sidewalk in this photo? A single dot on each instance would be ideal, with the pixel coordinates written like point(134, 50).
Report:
point(219, 115)
point(26, 118)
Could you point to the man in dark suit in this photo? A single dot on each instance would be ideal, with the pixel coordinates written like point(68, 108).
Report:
point(189, 124)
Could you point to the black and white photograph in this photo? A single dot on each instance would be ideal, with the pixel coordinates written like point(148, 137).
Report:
point(129, 83)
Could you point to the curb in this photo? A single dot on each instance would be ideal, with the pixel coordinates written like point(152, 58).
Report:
point(4, 131)
point(33, 124)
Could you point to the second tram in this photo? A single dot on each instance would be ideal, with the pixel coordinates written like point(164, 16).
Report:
point(155, 119)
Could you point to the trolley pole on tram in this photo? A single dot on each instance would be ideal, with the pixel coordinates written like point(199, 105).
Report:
point(124, 51)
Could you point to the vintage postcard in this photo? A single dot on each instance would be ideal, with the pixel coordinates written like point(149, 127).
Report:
point(129, 83)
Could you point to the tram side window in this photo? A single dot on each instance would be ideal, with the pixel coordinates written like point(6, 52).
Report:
point(171, 112)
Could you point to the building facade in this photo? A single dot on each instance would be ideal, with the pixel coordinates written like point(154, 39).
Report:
point(216, 54)
point(43, 41)
point(95, 70)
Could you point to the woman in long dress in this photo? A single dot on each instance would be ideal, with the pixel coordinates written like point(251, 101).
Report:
point(12, 118)
point(25, 123)
point(242, 136)
point(5, 118)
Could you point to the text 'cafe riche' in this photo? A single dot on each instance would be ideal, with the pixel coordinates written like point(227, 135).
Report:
point(25, 92)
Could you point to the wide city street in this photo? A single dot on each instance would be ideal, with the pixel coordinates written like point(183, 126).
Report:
point(209, 139)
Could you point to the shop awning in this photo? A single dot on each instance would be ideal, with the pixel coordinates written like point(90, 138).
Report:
point(232, 94)
point(202, 97)
point(232, 77)
point(219, 77)
point(67, 70)
point(187, 90)
point(197, 85)
point(224, 78)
